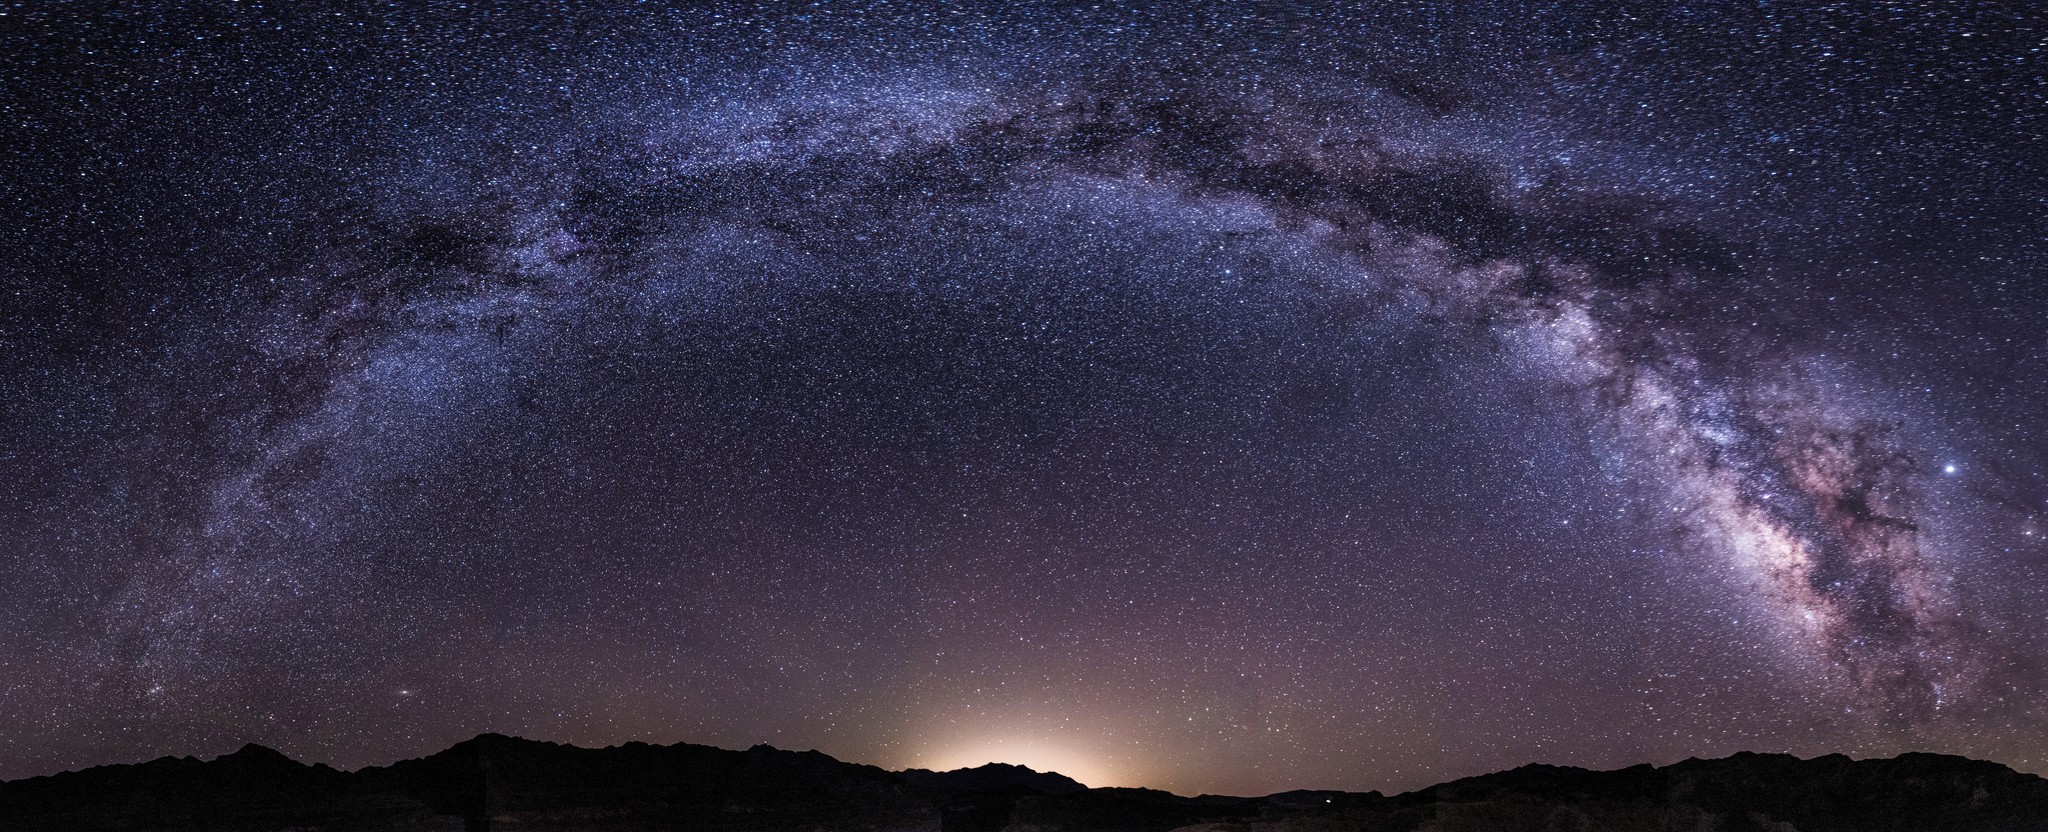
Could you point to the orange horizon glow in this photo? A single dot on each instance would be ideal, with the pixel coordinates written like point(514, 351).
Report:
point(1088, 767)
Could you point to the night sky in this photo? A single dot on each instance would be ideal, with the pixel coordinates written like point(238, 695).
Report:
point(1220, 398)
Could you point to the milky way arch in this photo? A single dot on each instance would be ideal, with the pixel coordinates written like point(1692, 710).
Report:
point(1747, 454)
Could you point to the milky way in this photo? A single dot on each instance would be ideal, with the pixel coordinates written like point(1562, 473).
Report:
point(1226, 400)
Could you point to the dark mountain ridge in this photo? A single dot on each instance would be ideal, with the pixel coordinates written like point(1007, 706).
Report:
point(500, 782)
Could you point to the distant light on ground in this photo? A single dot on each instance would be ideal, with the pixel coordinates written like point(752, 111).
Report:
point(1036, 754)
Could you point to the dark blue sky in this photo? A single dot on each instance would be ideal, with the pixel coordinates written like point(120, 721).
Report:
point(1223, 398)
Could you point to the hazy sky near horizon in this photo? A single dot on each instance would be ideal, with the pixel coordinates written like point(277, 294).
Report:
point(1215, 397)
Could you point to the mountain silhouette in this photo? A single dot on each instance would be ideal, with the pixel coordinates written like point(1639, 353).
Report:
point(495, 782)
point(992, 777)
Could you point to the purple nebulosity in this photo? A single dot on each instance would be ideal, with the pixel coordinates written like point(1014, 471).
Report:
point(1293, 395)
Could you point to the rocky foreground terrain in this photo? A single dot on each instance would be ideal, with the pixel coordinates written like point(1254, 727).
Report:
point(504, 783)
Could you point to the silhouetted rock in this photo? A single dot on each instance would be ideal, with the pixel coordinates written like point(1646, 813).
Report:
point(496, 780)
point(503, 783)
point(254, 788)
point(984, 799)
point(992, 777)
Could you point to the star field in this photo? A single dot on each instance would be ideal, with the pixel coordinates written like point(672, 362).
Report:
point(1222, 398)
